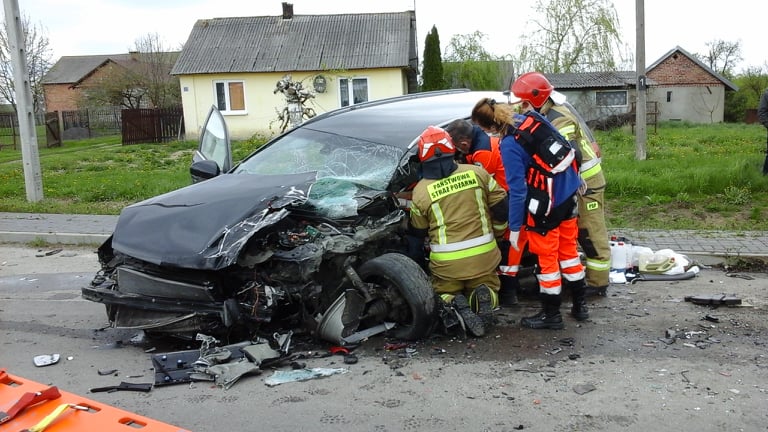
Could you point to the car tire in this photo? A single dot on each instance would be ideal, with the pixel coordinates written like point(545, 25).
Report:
point(413, 284)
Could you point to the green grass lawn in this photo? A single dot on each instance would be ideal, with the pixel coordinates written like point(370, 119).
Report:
point(694, 177)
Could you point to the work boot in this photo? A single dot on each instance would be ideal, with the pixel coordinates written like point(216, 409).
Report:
point(579, 309)
point(481, 301)
point(472, 323)
point(549, 317)
point(510, 285)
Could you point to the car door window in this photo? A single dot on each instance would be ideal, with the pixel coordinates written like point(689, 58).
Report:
point(214, 141)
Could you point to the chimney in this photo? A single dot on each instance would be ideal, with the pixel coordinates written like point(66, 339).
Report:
point(287, 10)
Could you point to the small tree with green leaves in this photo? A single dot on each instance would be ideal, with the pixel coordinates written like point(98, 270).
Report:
point(432, 69)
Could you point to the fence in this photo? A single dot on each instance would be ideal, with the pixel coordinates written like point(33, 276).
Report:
point(152, 125)
point(9, 129)
point(134, 125)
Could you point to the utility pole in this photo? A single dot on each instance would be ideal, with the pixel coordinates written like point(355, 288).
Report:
point(641, 85)
point(33, 179)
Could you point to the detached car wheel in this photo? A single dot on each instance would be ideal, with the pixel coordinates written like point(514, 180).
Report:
point(412, 291)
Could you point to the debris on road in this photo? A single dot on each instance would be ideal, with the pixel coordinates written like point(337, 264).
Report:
point(714, 299)
point(281, 377)
point(584, 388)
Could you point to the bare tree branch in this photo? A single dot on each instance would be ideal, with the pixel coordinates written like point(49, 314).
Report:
point(38, 57)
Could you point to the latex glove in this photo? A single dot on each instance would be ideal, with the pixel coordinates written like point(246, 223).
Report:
point(514, 236)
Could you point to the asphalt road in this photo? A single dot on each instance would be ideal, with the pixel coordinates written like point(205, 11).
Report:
point(646, 360)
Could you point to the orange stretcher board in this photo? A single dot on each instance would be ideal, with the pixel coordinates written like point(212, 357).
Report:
point(80, 414)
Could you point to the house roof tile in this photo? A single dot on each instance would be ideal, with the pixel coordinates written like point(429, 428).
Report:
point(301, 43)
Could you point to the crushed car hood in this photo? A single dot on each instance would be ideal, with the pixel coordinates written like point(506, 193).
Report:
point(204, 225)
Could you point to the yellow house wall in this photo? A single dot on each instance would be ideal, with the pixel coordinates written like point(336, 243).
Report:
point(197, 93)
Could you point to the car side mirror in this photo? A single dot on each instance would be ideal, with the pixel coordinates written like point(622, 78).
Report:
point(204, 170)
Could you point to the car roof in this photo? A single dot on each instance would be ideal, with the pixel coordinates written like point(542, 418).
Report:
point(399, 121)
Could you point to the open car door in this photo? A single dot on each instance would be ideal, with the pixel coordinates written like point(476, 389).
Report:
point(214, 147)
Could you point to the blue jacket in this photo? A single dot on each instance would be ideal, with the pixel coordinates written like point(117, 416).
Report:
point(516, 161)
point(480, 140)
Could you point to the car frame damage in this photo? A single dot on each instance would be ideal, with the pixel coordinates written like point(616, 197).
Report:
point(285, 266)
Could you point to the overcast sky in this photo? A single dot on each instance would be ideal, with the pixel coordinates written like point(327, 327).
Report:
point(88, 27)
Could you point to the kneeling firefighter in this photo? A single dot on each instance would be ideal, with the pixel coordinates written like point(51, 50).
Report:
point(463, 211)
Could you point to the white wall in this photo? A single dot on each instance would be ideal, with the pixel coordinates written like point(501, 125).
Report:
point(699, 104)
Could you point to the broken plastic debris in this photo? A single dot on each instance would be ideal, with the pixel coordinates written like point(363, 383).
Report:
point(46, 359)
point(281, 377)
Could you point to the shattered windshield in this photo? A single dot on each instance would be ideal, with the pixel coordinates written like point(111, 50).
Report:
point(331, 156)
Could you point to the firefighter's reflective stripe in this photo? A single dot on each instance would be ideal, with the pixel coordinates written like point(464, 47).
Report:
point(464, 244)
point(440, 220)
point(452, 184)
point(598, 265)
point(480, 199)
point(463, 253)
point(590, 168)
point(500, 227)
point(567, 130)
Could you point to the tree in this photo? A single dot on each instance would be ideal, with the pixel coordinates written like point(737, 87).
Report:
point(468, 65)
point(432, 69)
point(142, 81)
point(162, 88)
point(38, 57)
point(722, 56)
point(574, 36)
point(752, 82)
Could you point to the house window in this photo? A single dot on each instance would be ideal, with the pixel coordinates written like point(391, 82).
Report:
point(230, 96)
point(353, 91)
point(669, 96)
point(611, 98)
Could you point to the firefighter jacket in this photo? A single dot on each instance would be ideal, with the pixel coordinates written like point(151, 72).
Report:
point(517, 164)
point(456, 212)
point(484, 152)
point(566, 121)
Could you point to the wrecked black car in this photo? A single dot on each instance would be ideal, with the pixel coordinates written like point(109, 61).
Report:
point(305, 233)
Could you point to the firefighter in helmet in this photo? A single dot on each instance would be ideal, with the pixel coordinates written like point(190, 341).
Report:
point(478, 148)
point(463, 211)
point(536, 92)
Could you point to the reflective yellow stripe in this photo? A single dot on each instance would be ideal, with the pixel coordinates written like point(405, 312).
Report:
point(440, 220)
point(598, 265)
point(464, 244)
point(466, 253)
point(567, 130)
point(492, 184)
point(480, 198)
point(500, 227)
point(590, 172)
